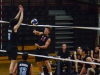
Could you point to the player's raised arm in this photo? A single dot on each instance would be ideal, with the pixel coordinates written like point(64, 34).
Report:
point(20, 20)
point(37, 33)
point(17, 16)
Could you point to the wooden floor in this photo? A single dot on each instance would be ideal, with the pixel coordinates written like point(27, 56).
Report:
point(4, 65)
point(4, 69)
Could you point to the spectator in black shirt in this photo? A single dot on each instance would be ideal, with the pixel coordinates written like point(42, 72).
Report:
point(64, 53)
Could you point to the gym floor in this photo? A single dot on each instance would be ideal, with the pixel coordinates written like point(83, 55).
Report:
point(4, 64)
point(4, 68)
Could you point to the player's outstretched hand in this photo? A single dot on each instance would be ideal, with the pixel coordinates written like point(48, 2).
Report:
point(34, 31)
point(36, 45)
point(21, 8)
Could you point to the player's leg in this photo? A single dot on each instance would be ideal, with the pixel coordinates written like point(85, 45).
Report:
point(12, 64)
point(39, 61)
point(46, 61)
point(12, 57)
point(48, 66)
point(39, 64)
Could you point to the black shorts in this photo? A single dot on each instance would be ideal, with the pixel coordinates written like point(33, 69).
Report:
point(12, 52)
point(41, 52)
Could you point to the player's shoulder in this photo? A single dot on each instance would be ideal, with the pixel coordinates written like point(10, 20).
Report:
point(28, 63)
point(49, 39)
point(20, 61)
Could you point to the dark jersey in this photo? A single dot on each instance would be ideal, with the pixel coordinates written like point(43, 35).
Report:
point(86, 65)
point(96, 54)
point(43, 39)
point(12, 37)
point(23, 68)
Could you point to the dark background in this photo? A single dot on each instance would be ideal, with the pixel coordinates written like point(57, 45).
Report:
point(84, 13)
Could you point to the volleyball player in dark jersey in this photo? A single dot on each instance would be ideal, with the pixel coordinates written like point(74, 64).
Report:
point(77, 56)
point(12, 38)
point(23, 67)
point(87, 58)
point(95, 54)
point(42, 46)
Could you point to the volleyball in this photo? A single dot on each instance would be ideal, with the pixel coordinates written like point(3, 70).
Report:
point(34, 21)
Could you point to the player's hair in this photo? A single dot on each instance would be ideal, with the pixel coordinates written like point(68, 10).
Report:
point(13, 22)
point(85, 49)
point(25, 56)
point(97, 46)
point(49, 27)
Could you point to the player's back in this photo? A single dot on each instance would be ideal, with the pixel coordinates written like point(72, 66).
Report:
point(12, 37)
point(23, 68)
